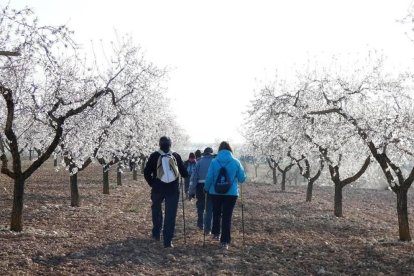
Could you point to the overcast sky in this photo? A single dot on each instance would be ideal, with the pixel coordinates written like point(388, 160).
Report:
point(220, 51)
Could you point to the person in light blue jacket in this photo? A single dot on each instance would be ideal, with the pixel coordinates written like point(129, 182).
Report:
point(223, 204)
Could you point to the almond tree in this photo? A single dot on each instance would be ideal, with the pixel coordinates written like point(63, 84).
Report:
point(116, 132)
point(379, 107)
point(306, 169)
point(282, 111)
point(266, 131)
point(43, 88)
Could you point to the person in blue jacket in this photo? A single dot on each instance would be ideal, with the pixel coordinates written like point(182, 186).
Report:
point(196, 188)
point(223, 204)
point(189, 164)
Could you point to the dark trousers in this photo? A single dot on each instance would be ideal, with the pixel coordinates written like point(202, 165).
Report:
point(203, 222)
point(186, 184)
point(223, 206)
point(171, 205)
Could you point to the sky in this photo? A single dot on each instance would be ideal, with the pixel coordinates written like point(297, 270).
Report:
point(219, 52)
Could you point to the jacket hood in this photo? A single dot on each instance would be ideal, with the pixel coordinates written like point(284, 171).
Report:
point(208, 155)
point(224, 156)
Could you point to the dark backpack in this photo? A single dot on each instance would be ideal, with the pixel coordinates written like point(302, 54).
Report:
point(223, 182)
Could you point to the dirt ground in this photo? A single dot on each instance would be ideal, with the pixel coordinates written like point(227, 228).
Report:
point(110, 234)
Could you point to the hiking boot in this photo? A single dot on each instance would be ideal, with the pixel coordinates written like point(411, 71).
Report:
point(216, 237)
point(224, 246)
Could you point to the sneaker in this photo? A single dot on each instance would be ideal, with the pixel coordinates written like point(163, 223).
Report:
point(224, 246)
point(216, 237)
point(169, 245)
point(208, 233)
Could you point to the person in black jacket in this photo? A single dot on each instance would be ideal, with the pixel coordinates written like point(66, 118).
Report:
point(162, 173)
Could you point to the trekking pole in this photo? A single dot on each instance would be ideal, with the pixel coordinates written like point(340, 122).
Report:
point(242, 207)
point(182, 200)
point(204, 218)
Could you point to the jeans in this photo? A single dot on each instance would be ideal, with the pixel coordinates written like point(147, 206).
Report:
point(203, 220)
point(171, 205)
point(223, 206)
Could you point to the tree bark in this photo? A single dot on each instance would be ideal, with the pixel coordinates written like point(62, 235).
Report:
point(338, 200)
point(311, 181)
point(255, 170)
point(74, 191)
point(106, 180)
point(38, 152)
point(309, 190)
point(30, 155)
point(9, 53)
point(144, 160)
point(283, 184)
point(135, 173)
point(119, 176)
point(17, 210)
point(55, 161)
point(403, 225)
point(274, 176)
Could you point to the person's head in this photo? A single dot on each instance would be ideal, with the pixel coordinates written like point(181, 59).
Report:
point(191, 155)
point(198, 154)
point(207, 151)
point(225, 146)
point(165, 144)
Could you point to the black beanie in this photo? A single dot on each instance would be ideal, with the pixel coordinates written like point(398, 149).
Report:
point(165, 144)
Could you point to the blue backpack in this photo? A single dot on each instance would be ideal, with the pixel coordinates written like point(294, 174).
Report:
point(223, 182)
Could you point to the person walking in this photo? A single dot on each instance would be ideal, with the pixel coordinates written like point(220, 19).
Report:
point(189, 164)
point(224, 197)
point(162, 173)
point(197, 181)
point(198, 154)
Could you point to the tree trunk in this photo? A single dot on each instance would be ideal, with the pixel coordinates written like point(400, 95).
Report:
point(17, 210)
point(255, 170)
point(119, 176)
point(283, 185)
point(309, 191)
point(106, 180)
point(403, 225)
point(143, 165)
point(135, 173)
point(274, 176)
point(30, 155)
point(338, 200)
point(55, 161)
point(74, 191)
